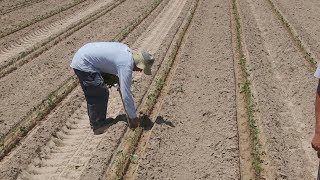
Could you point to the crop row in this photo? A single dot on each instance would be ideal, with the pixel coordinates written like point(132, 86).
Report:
point(9, 141)
point(125, 153)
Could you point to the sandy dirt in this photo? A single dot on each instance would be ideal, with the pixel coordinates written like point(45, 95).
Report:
point(284, 91)
point(304, 17)
point(9, 6)
point(195, 135)
point(40, 169)
point(28, 13)
point(43, 34)
point(49, 70)
point(196, 118)
point(19, 30)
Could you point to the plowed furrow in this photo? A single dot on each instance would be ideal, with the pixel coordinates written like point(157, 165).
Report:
point(67, 159)
point(303, 18)
point(181, 145)
point(66, 155)
point(280, 77)
point(118, 168)
point(24, 17)
point(9, 6)
point(57, 74)
point(160, 27)
point(37, 38)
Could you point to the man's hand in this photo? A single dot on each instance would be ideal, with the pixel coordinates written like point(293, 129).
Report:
point(316, 142)
point(134, 123)
point(316, 138)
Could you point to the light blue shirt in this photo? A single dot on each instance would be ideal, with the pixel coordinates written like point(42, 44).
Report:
point(317, 73)
point(109, 57)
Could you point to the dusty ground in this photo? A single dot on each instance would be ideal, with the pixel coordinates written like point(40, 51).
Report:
point(196, 118)
point(304, 17)
point(284, 90)
point(48, 71)
point(195, 135)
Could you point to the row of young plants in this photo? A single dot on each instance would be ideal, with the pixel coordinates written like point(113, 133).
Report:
point(256, 147)
point(39, 112)
point(299, 42)
point(26, 56)
point(125, 153)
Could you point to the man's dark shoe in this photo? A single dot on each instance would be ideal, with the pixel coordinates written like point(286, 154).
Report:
point(133, 123)
point(103, 128)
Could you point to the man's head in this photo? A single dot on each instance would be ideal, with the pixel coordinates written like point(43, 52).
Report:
point(143, 60)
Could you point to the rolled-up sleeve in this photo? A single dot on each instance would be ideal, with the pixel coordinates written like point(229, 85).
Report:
point(317, 73)
point(125, 78)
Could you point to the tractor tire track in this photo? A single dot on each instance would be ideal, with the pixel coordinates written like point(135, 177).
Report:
point(66, 155)
point(10, 55)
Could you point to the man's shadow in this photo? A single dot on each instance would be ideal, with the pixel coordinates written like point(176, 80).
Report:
point(145, 122)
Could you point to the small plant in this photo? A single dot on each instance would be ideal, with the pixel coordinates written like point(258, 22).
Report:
point(23, 130)
point(133, 157)
point(256, 147)
point(50, 100)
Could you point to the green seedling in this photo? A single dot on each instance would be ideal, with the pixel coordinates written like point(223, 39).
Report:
point(50, 100)
point(23, 130)
point(257, 149)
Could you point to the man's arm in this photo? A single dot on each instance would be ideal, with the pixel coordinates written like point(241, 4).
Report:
point(125, 78)
point(316, 138)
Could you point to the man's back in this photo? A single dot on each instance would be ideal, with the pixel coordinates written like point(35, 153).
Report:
point(103, 57)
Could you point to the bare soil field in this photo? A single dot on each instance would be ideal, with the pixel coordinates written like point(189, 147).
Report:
point(201, 99)
point(231, 94)
point(304, 18)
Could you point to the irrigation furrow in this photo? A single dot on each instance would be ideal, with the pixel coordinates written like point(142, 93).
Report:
point(246, 166)
point(305, 48)
point(63, 167)
point(121, 161)
point(278, 80)
point(179, 145)
point(248, 125)
point(10, 56)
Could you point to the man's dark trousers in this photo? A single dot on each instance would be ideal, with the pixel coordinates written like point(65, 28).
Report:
point(97, 96)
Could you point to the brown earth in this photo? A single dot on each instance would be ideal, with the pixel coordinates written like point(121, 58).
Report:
point(9, 6)
point(32, 173)
point(304, 17)
point(196, 132)
point(283, 89)
point(14, 18)
point(18, 25)
point(195, 135)
point(44, 74)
